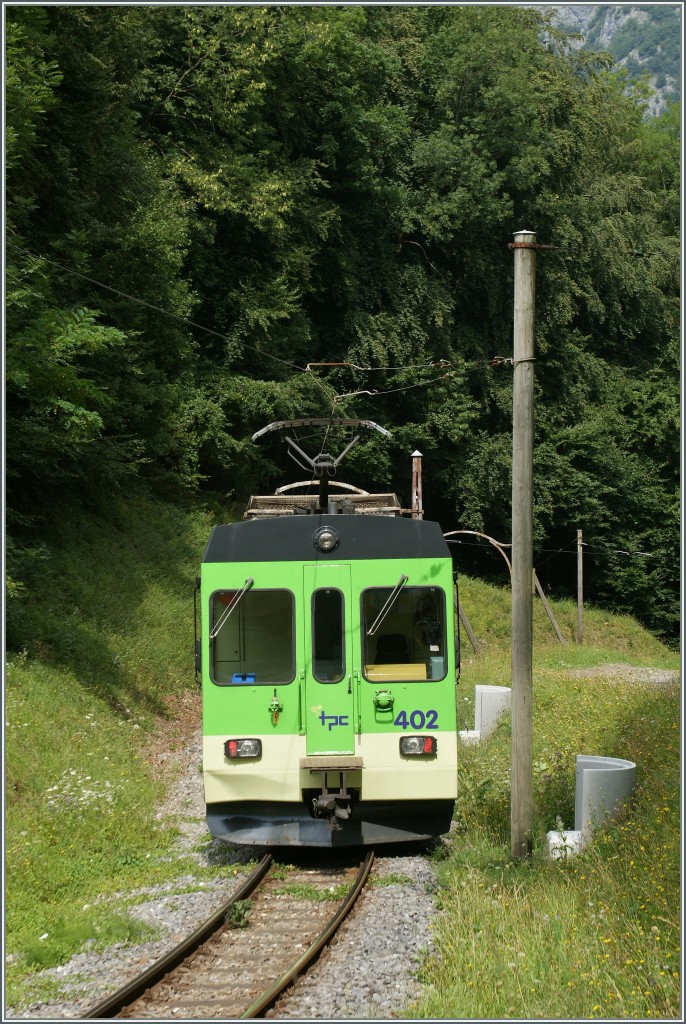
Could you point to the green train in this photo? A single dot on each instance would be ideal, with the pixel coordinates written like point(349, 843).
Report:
point(328, 658)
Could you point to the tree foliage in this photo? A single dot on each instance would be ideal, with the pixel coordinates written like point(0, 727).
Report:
point(204, 200)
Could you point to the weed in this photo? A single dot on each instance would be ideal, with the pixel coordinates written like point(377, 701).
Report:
point(80, 793)
point(379, 881)
point(280, 871)
point(593, 936)
point(307, 891)
point(238, 914)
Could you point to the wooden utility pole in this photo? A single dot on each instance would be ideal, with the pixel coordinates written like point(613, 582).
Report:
point(549, 610)
point(579, 587)
point(522, 543)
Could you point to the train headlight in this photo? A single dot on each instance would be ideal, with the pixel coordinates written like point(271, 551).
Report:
point(242, 748)
point(417, 744)
point(326, 538)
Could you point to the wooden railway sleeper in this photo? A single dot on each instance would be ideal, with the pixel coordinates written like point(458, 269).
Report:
point(126, 995)
point(220, 1004)
point(309, 956)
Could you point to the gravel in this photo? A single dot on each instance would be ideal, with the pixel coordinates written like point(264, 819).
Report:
point(630, 674)
point(368, 972)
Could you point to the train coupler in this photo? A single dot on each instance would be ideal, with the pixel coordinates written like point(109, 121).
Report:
point(336, 805)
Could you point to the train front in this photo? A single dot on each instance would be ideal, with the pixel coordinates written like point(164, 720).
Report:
point(328, 668)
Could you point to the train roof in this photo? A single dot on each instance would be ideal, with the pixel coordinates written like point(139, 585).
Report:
point(290, 538)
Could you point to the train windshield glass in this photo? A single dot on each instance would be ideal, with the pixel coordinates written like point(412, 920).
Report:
point(328, 630)
point(410, 643)
point(254, 642)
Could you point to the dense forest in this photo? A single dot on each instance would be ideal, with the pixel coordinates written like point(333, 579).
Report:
point(203, 200)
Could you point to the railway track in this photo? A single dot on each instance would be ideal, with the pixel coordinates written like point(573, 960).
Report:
point(224, 970)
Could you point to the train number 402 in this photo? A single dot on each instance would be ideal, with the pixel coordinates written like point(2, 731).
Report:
point(417, 720)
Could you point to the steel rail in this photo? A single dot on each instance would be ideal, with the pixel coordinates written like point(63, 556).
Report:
point(126, 995)
point(310, 954)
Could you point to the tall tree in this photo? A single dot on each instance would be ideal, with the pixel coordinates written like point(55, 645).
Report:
point(338, 185)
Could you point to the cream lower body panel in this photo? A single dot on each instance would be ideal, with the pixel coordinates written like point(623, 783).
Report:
point(388, 776)
point(277, 775)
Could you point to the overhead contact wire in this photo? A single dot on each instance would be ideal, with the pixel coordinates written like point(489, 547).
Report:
point(165, 312)
point(266, 355)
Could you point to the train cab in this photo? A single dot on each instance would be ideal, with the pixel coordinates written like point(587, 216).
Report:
point(328, 663)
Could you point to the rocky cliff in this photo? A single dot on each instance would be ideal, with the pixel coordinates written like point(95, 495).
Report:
point(644, 39)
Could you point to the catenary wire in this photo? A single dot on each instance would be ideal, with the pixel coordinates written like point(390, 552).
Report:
point(605, 552)
point(165, 312)
point(267, 355)
point(336, 398)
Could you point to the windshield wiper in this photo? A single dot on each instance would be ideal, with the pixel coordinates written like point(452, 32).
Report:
point(387, 607)
point(234, 603)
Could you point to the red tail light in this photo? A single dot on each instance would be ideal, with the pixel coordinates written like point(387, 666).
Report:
point(242, 748)
point(417, 745)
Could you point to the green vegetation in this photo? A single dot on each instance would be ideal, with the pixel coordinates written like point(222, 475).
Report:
point(308, 891)
point(599, 935)
point(109, 640)
point(203, 200)
point(238, 914)
point(109, 645)
point(607, 637)
point(649, 40)
point(99, 929)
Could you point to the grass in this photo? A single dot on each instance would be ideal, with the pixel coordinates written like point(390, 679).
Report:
point(380, 881)
point(97, 928)
point(105, 637)
point(308, 891)
point(599, 935)
point(608, 637)
point(107, 630)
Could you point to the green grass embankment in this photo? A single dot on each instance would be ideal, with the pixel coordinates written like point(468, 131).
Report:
point(107, 627)
point(598, 936)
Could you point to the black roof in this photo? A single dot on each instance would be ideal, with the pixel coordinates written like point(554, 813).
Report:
point(291, 539)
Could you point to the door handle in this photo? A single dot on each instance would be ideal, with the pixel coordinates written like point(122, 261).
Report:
point(350, 683)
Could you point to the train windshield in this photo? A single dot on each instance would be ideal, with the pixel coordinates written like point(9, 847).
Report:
point(251, 638)
point(410, 642)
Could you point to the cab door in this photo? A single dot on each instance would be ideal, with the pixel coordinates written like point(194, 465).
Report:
point(328, 715)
